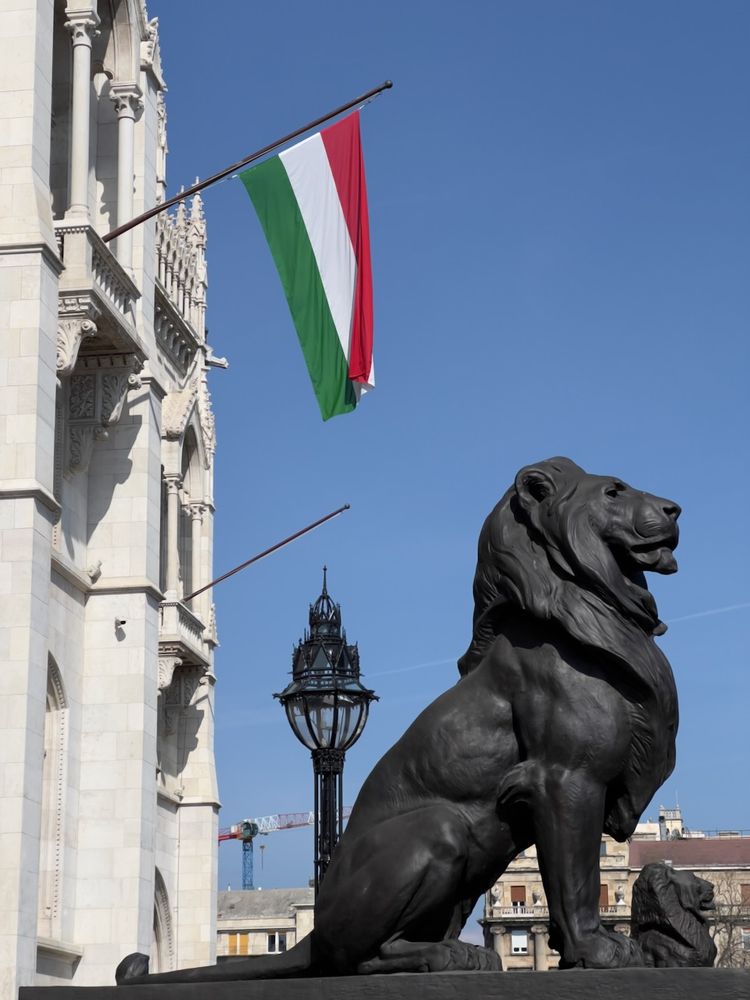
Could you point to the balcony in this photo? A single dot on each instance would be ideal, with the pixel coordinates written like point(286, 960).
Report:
point(526, 913)
point(94, 286)
point(181, 635)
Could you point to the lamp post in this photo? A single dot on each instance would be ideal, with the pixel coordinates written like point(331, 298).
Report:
point(327, 708)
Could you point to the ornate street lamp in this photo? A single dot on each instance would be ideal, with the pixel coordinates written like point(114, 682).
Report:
point(327, 708)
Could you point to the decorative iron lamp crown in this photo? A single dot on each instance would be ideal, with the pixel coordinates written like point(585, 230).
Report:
point(327, 707)
point(326, 704)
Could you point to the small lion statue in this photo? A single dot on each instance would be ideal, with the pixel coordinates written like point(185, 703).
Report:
point(669, 917)
point(561, 727)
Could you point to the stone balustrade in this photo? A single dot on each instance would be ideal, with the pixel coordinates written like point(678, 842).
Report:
point(181, 634)
point(96, 288)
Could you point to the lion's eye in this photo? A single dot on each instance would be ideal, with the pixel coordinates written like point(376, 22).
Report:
point(615, 489)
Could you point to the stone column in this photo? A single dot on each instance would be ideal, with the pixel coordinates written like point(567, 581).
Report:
point(196, 565)
point(499, 945)
point(174, 483)
point(541, 961)
point(82, 25)
point(128, 102)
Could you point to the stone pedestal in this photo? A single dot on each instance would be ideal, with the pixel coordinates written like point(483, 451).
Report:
point(618, 984)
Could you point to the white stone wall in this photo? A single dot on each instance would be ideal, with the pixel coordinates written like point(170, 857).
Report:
point(101, 828)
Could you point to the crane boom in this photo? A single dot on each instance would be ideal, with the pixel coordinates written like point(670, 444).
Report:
point(248, 829)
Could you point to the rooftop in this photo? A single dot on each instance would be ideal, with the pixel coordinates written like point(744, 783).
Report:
point(692, 852)
point(260, 903)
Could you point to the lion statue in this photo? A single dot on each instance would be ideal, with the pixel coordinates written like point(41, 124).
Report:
point(669, 917)
point(561, 727)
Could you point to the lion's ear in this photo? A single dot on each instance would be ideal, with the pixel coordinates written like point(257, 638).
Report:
point(534, 485)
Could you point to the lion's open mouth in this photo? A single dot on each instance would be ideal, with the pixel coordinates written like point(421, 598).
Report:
point(655, 554)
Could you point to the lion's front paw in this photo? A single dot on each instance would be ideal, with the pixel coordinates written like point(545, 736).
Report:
point(606, 950)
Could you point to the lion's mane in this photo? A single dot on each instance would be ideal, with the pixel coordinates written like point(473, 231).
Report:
point(666, 918)
point(558, 570)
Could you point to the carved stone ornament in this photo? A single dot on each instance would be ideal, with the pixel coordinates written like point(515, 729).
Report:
point(167, 666)
point(70, 335)
point(127, 99)
point(151, 50)
point(81, 446)
point(176, 408)
point(207, 421)
point(96, 398)
point(82, 400)
point(82, 25)
point(561, 729)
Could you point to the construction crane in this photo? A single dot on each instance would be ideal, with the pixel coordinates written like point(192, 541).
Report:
point(248, 829)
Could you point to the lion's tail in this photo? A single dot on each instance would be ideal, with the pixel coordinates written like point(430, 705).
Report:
point(298, 961)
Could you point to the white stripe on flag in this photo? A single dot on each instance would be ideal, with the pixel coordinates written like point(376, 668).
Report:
point(314, 188)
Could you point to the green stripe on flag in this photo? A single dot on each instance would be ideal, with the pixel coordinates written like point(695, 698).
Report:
point(271, 193)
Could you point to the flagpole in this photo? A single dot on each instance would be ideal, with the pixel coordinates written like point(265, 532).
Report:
point(163, 206)
point(267, 552)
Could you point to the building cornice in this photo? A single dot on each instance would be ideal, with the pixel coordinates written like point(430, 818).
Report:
point(29, 489)
point(127, 585)
point(41, 247)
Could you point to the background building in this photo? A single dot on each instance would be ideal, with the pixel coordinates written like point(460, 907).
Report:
point(263, 921)
point(107, 779)
point(516, 917)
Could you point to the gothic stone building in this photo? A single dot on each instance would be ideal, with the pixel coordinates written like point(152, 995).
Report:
point(107, 779)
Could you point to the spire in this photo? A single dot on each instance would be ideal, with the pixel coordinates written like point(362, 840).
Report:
point(325, 616)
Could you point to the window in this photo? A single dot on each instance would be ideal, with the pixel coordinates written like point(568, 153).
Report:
point(603, 895)
point(603, 849)
point(276, 942)
point(746, 938)
point(519, 943)
point(745, 894)
point(238, 944)
point(518, 895)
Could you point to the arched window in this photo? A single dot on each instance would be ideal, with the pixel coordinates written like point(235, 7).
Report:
point(54, 780)
point(162, 946)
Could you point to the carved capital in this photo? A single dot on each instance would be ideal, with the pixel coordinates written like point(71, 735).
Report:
point(127, 99)
point(70, 335)
point(196, 510)
point(174, 483)
point(82, 25)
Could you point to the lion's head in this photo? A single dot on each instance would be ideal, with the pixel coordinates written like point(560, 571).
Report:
point(564, 545)
point(669, 916)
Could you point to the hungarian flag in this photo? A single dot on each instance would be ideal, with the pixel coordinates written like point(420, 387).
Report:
point(312, 204)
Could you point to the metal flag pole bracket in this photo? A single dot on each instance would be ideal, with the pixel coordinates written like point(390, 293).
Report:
point(188, 192)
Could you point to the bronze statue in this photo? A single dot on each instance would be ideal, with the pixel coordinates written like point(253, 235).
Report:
point(668, 917)
point(562, 727)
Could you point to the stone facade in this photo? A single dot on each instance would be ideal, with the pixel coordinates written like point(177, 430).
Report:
point(263, 921)
point(107, 778)
point(516, 917)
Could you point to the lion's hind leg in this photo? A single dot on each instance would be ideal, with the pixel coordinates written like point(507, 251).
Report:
point(401, 955)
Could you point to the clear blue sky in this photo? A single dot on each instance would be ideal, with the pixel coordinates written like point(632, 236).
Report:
point(561, 246)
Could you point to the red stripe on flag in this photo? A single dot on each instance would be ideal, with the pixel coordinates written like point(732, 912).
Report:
point(344, 149)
